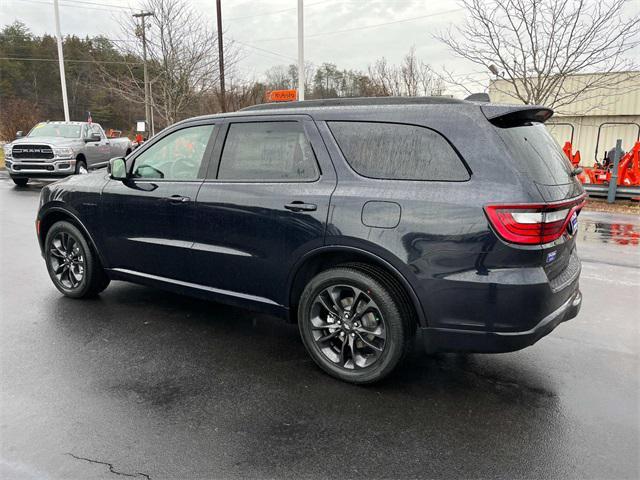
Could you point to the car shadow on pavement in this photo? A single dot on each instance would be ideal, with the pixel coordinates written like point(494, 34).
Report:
point(242, 382)
point(255, 343)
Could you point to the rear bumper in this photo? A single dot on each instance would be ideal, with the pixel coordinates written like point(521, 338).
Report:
point(473, 341)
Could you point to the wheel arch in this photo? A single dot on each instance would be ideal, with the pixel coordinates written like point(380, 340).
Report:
point(57, 214)
point(329, 256)
point(81, 158)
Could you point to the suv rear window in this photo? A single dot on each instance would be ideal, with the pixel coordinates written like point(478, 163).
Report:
point(536, 154)
point(397, 151)
point(267, 151)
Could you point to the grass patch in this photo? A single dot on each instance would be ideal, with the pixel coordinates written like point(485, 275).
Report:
point(620, 206)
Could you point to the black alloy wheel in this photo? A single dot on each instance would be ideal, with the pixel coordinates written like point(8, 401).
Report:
point(354, 323)
point(348, 327)
point(67, 260)
point(73, 266)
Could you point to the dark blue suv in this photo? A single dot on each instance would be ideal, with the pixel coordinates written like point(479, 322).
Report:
point(363, 220)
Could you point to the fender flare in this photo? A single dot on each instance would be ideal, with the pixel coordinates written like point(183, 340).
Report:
point(406, 284)
point(76, 221)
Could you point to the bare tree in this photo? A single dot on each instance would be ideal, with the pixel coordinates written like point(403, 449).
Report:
point(418, 77)
point(182, 57)
point(537, 45)
point(17, 114)
point(411, 78)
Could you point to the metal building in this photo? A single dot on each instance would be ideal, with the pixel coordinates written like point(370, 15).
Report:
point(618, 103)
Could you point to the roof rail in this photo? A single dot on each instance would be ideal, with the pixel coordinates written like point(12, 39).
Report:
point(355, 101)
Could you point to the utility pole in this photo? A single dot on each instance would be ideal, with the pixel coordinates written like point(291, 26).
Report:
point(63, 80)
point(223, 102)
point(300, 51)
point(147, 114)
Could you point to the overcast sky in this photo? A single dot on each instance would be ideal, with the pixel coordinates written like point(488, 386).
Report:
point(266, 30)
point(348, 33)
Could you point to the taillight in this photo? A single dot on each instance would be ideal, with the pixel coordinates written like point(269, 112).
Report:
point(533, 224)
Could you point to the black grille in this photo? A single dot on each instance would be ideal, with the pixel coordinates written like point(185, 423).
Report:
point(42, 166)
point(32, 151)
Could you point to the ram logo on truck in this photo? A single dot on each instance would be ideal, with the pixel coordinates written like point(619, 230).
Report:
point(59, 149)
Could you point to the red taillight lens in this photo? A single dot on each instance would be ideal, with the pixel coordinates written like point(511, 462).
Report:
point(532, 224)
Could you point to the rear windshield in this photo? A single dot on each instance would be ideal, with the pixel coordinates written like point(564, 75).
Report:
point(536, 154)
point(397, 151)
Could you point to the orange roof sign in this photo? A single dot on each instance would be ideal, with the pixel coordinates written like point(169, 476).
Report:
point(282, 95)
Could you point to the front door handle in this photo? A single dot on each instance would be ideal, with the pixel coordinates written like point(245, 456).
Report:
point(298, 206)
point(177, 199)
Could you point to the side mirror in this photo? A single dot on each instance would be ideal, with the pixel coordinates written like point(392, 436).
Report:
point(19, 134)
point(93, 138)
point(117, 169)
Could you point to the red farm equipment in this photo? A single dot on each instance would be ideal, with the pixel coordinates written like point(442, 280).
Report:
point(598, 177)
point(574, 158)
point(628, 165)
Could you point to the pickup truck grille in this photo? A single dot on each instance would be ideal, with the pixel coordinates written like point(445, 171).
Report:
point(28, 166)
point(32, 151)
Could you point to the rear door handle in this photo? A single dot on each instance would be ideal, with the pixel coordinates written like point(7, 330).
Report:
point(298, 206)
point(177, 199)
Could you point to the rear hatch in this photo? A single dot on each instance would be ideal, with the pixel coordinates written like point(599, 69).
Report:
point(552, 222)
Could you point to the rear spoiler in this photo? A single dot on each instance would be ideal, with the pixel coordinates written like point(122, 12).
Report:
point(514, 115)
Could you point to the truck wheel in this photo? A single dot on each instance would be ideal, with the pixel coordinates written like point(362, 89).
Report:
point(353, 324)
point(81, 167)
point(73, 266)
point(20, 182)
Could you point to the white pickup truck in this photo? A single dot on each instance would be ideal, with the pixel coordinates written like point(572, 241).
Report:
point(58, 149)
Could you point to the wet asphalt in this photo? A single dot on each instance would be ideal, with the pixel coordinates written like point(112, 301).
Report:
point(142, 384)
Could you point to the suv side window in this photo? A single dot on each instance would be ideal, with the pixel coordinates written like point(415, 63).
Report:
point(397, 151)
point(178, 156)
point(267, 151)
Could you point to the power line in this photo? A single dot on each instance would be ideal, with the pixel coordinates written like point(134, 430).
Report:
point(31, 59)
point(96, 6)
point(84, 2)
point(271, 52)
point(271, 13)
point(320, 34)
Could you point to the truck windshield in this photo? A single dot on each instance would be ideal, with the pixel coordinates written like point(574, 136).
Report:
point(55, 130)
point(536, 154)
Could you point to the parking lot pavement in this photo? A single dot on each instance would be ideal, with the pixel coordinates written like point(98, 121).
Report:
point(148, 384)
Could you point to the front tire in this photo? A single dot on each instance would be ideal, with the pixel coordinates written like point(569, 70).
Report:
point(353, 325)
point(81, 167)
point(20, 182)
point(73, 266)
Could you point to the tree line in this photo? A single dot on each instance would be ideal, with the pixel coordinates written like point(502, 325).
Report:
point(105, 76)
point(532, 46)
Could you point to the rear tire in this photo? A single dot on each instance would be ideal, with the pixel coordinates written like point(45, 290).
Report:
point(361, 344)
point(20, 182)
point(72, 264)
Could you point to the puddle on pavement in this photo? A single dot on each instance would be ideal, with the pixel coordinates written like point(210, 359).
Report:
point(624, 234)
